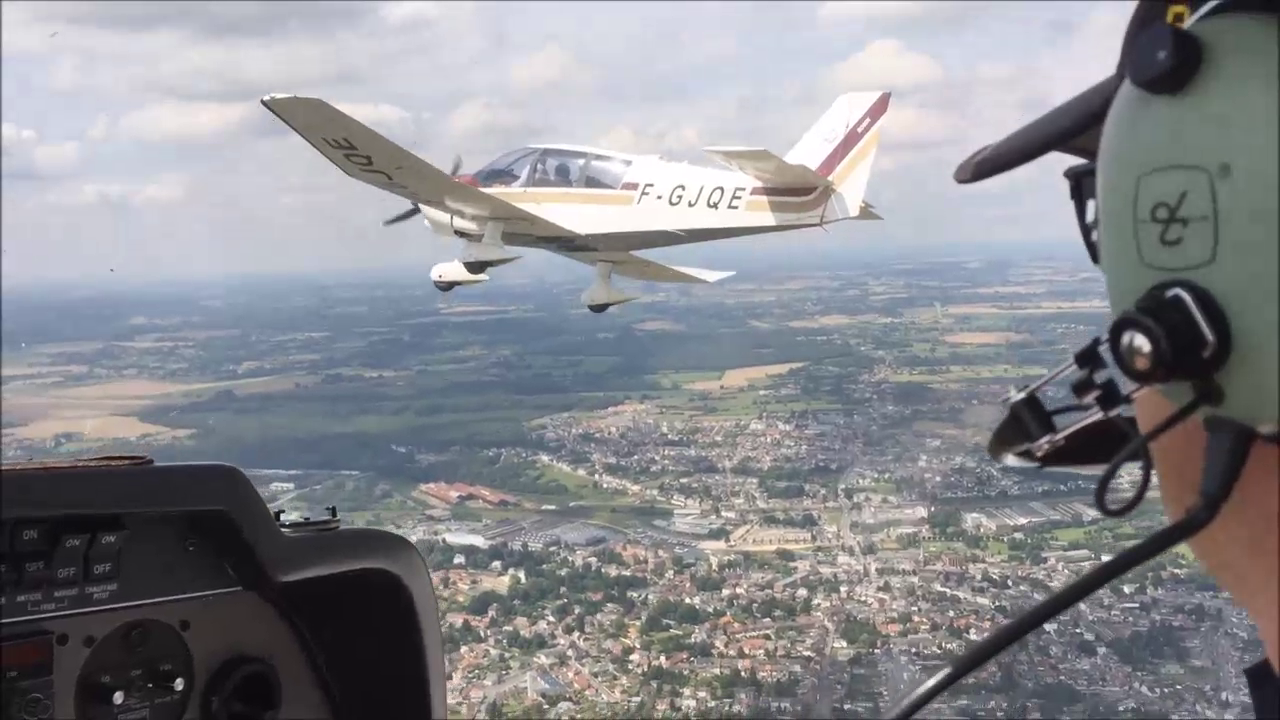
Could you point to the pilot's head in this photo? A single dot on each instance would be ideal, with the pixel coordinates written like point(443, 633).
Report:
point(1183, 143)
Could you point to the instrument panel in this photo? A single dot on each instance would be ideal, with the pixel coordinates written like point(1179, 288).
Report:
point(136, 591)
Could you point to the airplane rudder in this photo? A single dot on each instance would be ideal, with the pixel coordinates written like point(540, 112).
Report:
point(851, 184)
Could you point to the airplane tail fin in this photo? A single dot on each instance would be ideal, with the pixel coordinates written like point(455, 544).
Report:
point(841, 146)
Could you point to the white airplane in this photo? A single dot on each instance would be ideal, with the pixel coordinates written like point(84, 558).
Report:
point(598, 206)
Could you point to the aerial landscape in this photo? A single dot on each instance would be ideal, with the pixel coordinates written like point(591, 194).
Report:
point(767, 497)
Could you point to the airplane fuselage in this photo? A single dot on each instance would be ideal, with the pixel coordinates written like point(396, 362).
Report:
point(659, 204)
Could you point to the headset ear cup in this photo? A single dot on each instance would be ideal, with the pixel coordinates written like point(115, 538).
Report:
point(1163, 59)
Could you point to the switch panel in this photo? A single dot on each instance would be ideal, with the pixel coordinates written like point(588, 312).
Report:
point(74, 564)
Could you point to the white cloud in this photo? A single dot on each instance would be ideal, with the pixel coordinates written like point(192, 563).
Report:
point(154, 50)
point(677, 141)
point(885, 64)
point(550, 67)
point(57, 158)
point(381, 116)
point(913, 125)
point(403, 13)
point(166, 189)
point(186, 121)
point(483, 117)
point(98, 131)
point(892, 10)
point(13, 137)
point(1082, 57)
point(872, 9)
point(66, 74)
point(25, 154)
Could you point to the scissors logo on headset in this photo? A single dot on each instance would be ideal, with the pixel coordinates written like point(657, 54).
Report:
point(1176, 204)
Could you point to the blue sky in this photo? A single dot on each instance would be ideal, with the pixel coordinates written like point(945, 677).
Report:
point(134, 143)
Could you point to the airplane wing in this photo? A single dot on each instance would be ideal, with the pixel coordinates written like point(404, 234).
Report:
point(371, 158)
point(638, 268)
point(766, 167)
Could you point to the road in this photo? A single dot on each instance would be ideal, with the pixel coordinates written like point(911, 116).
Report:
point(846, 521)
point(900, 676)
point(826, 686)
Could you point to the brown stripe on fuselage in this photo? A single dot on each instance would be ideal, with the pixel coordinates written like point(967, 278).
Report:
point(787, 192)
point(854, 135)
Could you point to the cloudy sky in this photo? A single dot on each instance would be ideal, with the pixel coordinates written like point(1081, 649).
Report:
point(133, 141)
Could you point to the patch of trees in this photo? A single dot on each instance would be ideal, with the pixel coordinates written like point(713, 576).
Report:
point(805, 520)
point(943, 520)
point(708, 583)
point(859, 633)
point(1143, 648)
point(784, 491)
point(666, 612)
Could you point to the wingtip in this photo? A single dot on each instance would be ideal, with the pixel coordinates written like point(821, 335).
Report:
point(717, 275)
point(276, 97)
point(706, 276)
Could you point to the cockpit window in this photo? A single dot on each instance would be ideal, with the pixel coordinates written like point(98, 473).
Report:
point(559, 168)
point(553, 168)
point(606, 173)
point(509, 170)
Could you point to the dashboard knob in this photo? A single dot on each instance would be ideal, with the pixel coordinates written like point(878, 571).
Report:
point(34, 707)
point(165, 682)
point(108, 694)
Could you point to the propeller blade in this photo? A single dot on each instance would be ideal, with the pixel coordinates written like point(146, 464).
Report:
point(457, 165)
point(402, 216)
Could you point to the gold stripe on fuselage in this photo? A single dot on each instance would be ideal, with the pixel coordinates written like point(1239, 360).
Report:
point(564, 196)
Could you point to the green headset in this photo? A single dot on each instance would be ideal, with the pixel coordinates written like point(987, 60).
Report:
point(1189, 201)
point(1186, 171)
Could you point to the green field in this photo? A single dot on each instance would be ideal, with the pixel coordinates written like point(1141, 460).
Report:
point(1070, 534)
point(677, 380)
point(997, 548)
point(581, 487)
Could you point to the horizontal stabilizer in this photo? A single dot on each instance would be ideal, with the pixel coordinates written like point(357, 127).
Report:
point(638, 268)
point(767, 168)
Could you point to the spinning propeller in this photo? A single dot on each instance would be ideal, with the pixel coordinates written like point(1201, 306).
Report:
point(453, 172)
